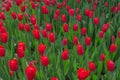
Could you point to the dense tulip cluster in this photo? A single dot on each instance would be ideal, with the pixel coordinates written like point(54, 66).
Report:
point(59, 40)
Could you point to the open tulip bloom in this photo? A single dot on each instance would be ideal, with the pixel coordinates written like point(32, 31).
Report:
point(59, 39)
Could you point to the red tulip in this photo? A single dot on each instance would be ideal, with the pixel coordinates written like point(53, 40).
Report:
point(20, 17)
point(83, 30)
point(2, 16)
point(71, 12)
point(23, 8)
point(64, 42)
point(44, 10)
point(80, 49)
point(1, 23)
point(41, 49)
point(92, 66)
point(63, 18)
point(30, 72)
point(106, 4)
point(19, 2)
point(44, 33)
point(57, 11)
point(87, 41)
point(48, 26)
point(91, 14)
point(2, 51)
point(77, 10)
point(33, 19)
point(36, 33)
point(110, 65)
point(54, 78)
point(89, 1)
point(13, 14)
point(51, 37)
point(105, 27)
point(59, 5)
point(87, 11)
point(27, 27)
point(36, 26)
point(79, 17)
point(113, 48)
point(65, 55)
point(65, 27)
point(2, 29)
point(82, 73)
point(75, 27)
point(118, 34)
point(4, 37)
point(44, 60)
point(96, 21)
point(119, 6)
point(20, 52)
point(101, 34)
point(102, 57)
point(11, 73)
point(75, 40)
point(55, 17)
point(13, 64)
point(21, 26)
point(22, 44)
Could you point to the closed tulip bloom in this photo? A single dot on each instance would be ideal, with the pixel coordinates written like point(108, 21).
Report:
point(19, 2)
point(102, 57)
point(41, 48)
point(51, 37)
point(92, 66)
point(14, 15)
point(110, 65)
point(30, 72)
point(65, 27)
point(65, 55)
point(36, 26)
point(82, 73)
point(2, 51)
point(96, 20)
point(71, 12)
point(2, 29)
point(4, 37)
point(33, 19)
point(113, 48)
point(21, 26)
point(36, 33)
point(75, 40)
point(13, 64)
point(63, 18)
point(27, 27)
point(44, 9)
point(79, 17)
point(20, 17)
point(101, 34)
point(44, 33)
point(64, 41)
point(118, 34)
point(75, 27)
point(44, 60)
point(23, 8)
point(54, 78)
point(83, 30)
point(91, 14)
point(87, 11)
point(48, 26)
point(80, 49)
point(20, 52)
point(87, 41)
point(22, 44)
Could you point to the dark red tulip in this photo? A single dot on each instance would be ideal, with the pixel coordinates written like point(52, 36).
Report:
point(57, 12)
point(87, 11)
point(75, 27)
point(82, 73)
point(59, 5)
point(79, 17)
point(14, 15)
point(65, 27)
point(33, 19)
point(19, 2)
point(83, 30)
point(13, 64)
point(41, 48)
point(36, 33)
point(20, 17)
point(77, 10)
point(64, 41)
point(22, 44)
point(80, 49)
point(101, 34)
point(27, 27)
point(91, 14)
point(36, 26)
point(63, 18)
point(87, 41)
point(110, 65)
point(20, 52)
point(96, 20)
point(54, 78)
point(48, 26)
point(102, 57)
point(30, 72)
point(44, 60)
point(118, 34)
point(2, 51)
point(23, 8)
point(75, 40)
point(71, 12)
point(113, 48)
point(51, 37)
point(44, 33)
point(65, 55)
point(21, 26)
point(44, 9)
point(4, 37)
point(92, 66)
